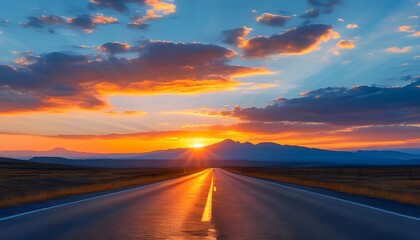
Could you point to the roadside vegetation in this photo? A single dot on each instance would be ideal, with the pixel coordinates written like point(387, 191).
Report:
point(400, 184)
point(22, 183)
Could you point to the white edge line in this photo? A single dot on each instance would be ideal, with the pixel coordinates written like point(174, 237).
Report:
point(339, 199)
point(85, 200)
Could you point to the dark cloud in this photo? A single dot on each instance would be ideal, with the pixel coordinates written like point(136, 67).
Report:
point(117, 5)
point(14, 101)
point(272, 20)
point(62, 80)
point(319, 6)
point(326, 6)
point(61, 59)
point(362, 105)
point(236, 36)
point(293, 41)
point(86, 23)
point(113, 48)
point(42, 21)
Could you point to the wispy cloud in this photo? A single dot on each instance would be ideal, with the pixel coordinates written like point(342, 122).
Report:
point(405, 28)
point(352, 26)
point(399, 50)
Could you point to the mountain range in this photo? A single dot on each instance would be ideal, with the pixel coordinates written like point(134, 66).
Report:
point(226, 150)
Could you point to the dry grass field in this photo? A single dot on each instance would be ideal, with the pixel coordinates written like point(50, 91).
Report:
point(393, 183)
point(22, 183)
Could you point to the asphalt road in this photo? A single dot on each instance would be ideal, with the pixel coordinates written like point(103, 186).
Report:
point(213, 204)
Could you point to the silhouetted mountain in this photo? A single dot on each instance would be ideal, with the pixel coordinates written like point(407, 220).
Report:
point(62, 152)
point(55, 152)
point(408, 150)
point(9, 161)
point(265, 152)
point(230, 150)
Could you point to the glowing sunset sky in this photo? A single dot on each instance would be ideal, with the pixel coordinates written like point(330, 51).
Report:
point(141, 75)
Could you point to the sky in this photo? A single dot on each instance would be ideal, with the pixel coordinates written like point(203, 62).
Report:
point(141, 75)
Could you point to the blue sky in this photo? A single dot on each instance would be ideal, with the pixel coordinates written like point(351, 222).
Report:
point(354, 43)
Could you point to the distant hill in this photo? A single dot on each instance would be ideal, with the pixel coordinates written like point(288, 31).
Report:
point(387, 154)
point(408, 150)
point(227, 150)
point(56, 152)
point(62, 152)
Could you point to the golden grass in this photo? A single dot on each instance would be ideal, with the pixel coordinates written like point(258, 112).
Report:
point(28, 185)
point(401, 188)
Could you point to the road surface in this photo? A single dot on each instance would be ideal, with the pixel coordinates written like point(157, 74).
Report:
point(212, 204)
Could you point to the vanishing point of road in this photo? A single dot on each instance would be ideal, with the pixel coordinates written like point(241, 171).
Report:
point(212, 204)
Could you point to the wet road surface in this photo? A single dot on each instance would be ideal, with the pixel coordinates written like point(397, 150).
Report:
point(212, 204)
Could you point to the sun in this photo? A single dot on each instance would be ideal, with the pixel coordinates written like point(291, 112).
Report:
point(197, 145)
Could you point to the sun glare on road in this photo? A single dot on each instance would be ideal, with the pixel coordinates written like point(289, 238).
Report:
point(197, 145)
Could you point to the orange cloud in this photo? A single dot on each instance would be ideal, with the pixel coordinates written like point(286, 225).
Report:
point(409, 29)
point(352, 26)
point(399, 50)
point(151, 14)
point(404, 28)
point(101, 19)
point(416, 34)
point(186, 86)
point(347, 44)
point(126, 112)
point(158, 9)
point(342, 44)
point(164, 8)
point(23, 60)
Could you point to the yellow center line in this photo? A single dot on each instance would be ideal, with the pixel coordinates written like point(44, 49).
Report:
point(207, 209)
